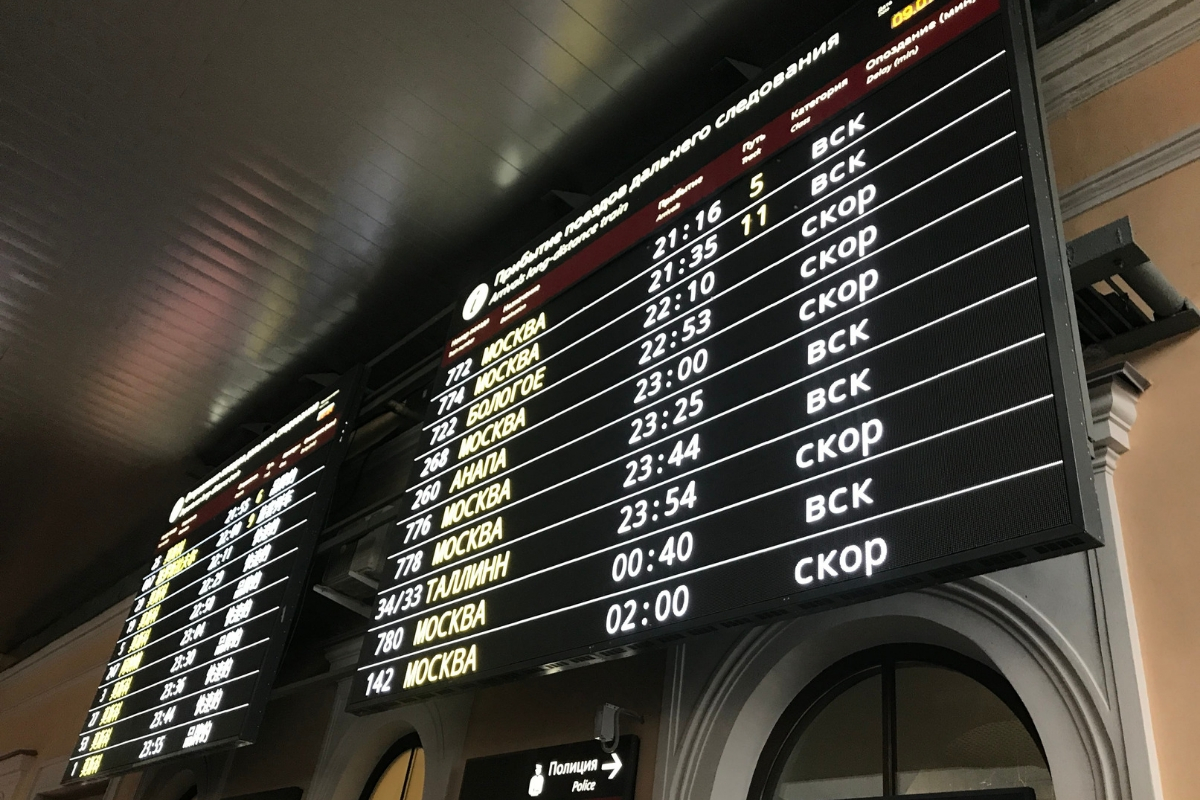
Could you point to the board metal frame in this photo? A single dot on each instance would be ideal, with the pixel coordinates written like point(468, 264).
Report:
point(1083, 530)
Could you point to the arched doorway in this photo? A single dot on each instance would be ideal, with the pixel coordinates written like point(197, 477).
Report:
point(400, 774)
point(902, 720)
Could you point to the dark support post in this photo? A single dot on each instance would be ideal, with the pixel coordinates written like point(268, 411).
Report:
point(889, 729)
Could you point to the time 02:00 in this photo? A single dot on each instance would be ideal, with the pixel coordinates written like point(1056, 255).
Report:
point(668, 604)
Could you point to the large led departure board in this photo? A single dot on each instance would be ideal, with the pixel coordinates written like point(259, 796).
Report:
point(197, 655)
point(818, 349)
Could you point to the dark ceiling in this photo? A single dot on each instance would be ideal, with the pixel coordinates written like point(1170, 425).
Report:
point(204, 201)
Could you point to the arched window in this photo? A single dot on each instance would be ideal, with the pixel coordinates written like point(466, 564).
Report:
point(400, 774)
point(902, 720)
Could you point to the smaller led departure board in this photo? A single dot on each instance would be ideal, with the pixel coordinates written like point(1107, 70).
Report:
point(197, 655)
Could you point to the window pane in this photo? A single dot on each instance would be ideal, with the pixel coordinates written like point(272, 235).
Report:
point(416, 778)
point(840, 754)
point(953, 734)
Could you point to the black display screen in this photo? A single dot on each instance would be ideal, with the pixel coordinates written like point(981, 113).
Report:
point(836, 360)
point(197, 655)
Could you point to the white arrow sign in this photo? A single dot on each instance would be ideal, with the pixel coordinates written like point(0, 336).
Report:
point(614, 765)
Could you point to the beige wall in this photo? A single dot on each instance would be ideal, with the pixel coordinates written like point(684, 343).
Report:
point(1158, 490)
point(43, 699)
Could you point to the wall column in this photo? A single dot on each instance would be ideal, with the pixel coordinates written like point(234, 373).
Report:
point(1114, 393)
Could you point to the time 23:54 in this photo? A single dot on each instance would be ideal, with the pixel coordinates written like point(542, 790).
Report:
point(637, 514)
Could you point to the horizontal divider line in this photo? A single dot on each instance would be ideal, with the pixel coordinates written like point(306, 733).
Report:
point(698, 269)
point(161, 732)
point(639, 412)
point(210, 614)
point(173, 700)
point(625, 542)
point(731, 560)
point(722, 371)
point(720, 331)
point(801, 429)
point(832, 154)
point(258, 523)
point(208, 638)
point(202, 578)
point(721, 258)
point(211, 592)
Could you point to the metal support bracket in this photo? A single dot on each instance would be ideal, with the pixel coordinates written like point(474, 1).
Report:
point(345, 601)
point(1112, 322)
point(608, 725)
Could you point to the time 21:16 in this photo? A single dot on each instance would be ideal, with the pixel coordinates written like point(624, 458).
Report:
point(670, 240)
